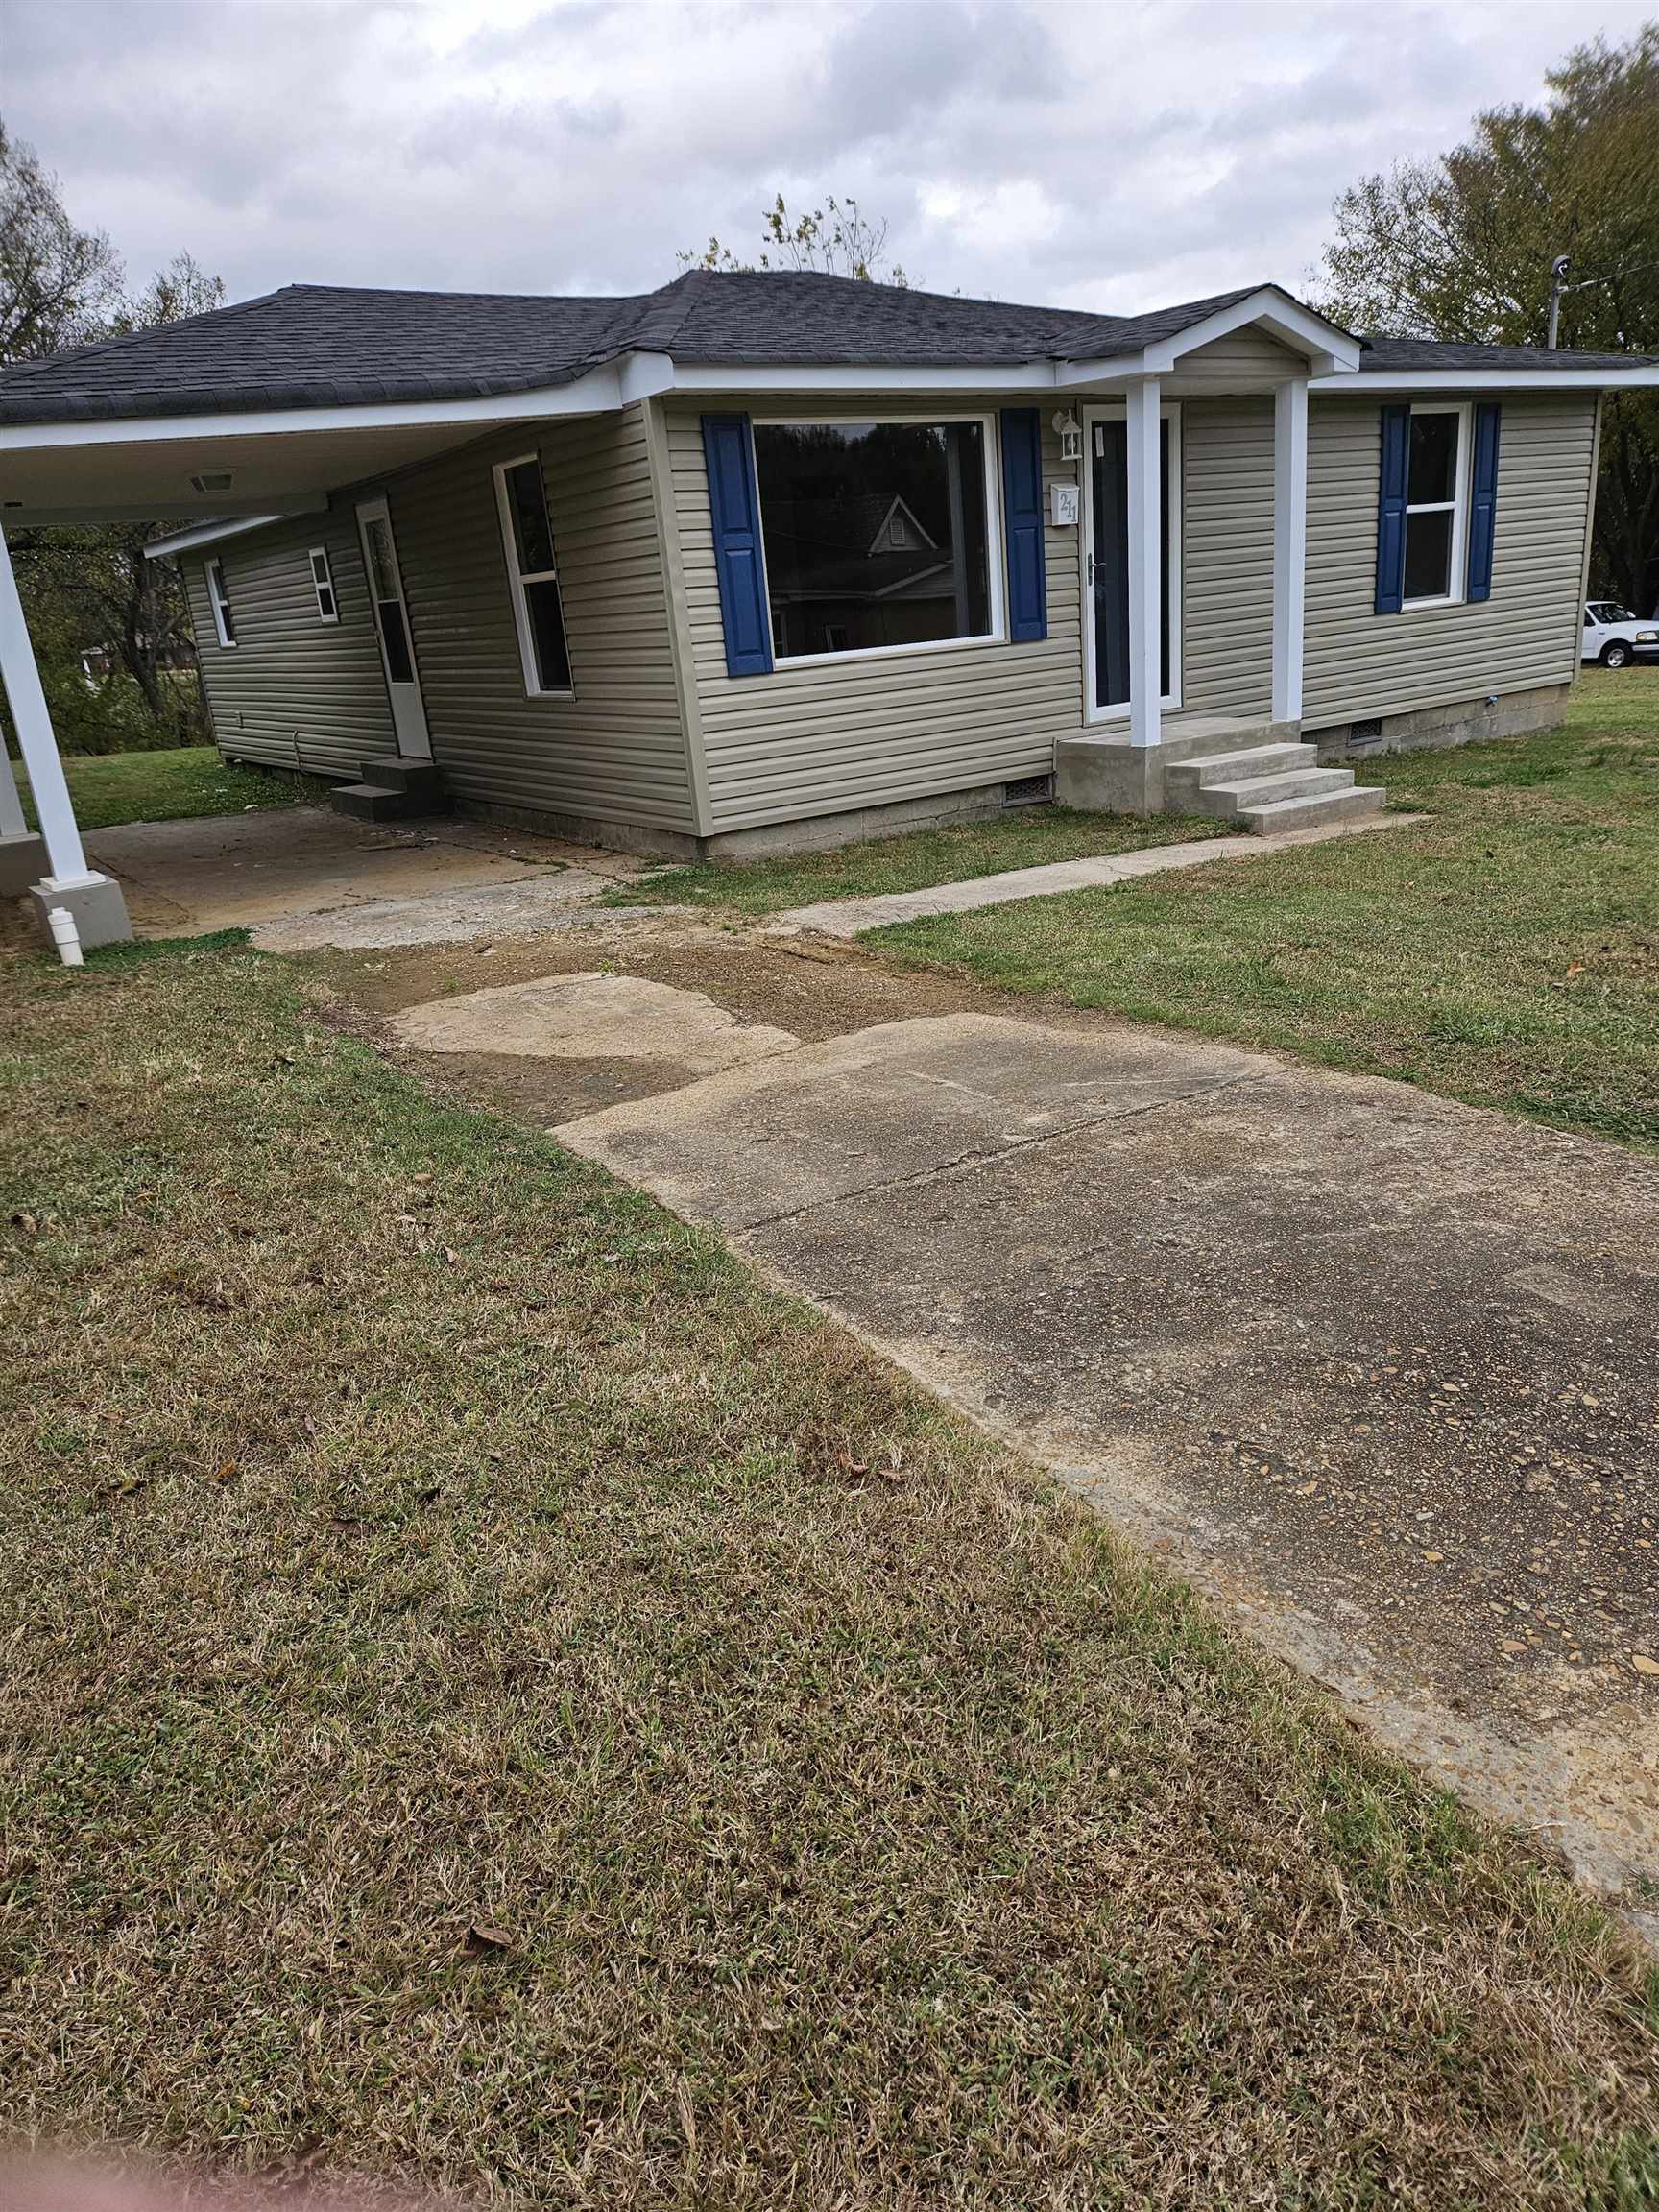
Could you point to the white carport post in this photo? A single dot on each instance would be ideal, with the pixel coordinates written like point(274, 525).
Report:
point(1289, 543)
point(93, 901)
point(1145, 522)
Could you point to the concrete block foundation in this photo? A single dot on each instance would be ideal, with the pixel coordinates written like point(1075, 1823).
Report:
point(1464, 722)
point(816, 833)
point(96, 903)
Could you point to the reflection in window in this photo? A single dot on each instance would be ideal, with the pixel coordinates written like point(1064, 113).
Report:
point(874, 534)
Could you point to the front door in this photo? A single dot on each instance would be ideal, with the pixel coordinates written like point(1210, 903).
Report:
point(391, 621)
point(1107, 564)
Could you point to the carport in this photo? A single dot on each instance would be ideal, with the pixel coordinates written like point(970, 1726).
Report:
point(270, 452)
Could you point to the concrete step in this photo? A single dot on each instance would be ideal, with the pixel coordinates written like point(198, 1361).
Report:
point(1228, 800)
point(374, 803)
point(391, 772)
point(1182, 778)
point(1314, 811)
point(1192, 736)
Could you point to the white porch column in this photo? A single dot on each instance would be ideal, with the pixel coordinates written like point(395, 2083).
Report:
point(94, 899)
point(1289, 543)
point(1145, 459)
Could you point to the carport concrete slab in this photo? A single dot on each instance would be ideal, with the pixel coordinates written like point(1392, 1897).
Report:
point(591, 1016)
point(1376, 1369)
point(551, 901)
point(238, 871)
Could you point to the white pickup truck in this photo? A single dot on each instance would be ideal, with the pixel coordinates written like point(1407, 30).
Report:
point(1614, 636)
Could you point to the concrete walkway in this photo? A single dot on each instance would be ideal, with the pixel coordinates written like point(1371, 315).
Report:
point(852, 917)
point(1376, 1370)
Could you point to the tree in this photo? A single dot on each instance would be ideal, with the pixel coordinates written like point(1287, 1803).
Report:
point(91, 589)
point(1461, 248)
point(58, 284)
point(836, 240)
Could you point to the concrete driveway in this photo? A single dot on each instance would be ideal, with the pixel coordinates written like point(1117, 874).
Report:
point(1377, 1370)
point(305, 875)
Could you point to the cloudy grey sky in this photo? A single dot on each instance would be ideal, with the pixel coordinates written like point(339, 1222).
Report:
point(1109, 156)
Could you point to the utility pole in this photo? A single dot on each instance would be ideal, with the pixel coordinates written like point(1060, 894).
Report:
point(1559, 269)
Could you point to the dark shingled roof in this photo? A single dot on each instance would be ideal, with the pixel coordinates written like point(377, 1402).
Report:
point(322, 344)
point(1385, 353)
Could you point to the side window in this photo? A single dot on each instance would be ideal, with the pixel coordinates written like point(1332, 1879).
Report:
point(323, 584)
point(532, 576)
point(224, 620)
point(1434, 481)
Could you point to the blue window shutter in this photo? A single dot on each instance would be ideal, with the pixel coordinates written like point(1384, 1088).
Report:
point(735, 504)
point(1022, 523)
point(1484, 500)
point(1391, 509)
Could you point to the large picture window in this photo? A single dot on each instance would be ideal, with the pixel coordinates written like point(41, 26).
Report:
point(876, 535)
point(1435, 475)
point(527, 535)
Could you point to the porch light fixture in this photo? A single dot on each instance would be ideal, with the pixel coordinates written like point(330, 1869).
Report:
point(212, 480)
point(1071, 436)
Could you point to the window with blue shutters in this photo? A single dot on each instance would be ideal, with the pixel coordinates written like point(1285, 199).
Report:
point(1430, 552)
point(728, 449)
point(1022, 523)
point(1391, 510)
point(1484, 500)
point(871, 536)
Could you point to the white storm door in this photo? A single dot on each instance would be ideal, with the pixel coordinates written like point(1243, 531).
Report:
point(392, 623)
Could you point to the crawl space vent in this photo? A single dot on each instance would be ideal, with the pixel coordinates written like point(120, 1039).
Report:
point(1028, 791)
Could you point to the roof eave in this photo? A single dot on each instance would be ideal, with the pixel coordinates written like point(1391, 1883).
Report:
point(1544, 379)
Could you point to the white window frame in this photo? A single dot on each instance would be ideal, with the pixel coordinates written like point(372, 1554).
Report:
point(323, 583)
point(534, 687)
point(1457, 506)
point(219, 599)
point(995, 560)
point(1174, 591)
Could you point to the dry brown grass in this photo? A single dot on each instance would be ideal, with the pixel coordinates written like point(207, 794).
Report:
point(493, 1697)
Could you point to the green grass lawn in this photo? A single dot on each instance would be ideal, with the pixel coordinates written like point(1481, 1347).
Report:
point(170, 785)
point(1506, 952)
point(1023, 839)
point(496, 1698)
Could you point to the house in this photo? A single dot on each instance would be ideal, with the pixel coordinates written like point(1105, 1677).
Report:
point(176, 656)
point(766, 560)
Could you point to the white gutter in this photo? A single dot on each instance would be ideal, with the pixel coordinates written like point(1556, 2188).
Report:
point(1383, 380)
point(600, 392)
point(205, 533)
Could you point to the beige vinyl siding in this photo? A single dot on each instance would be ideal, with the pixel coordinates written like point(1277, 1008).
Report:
point(1358, 663)
point(294, 690)
point(1243, 358)
point(1227, 556)
point(616, 750)
point(834, 735)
